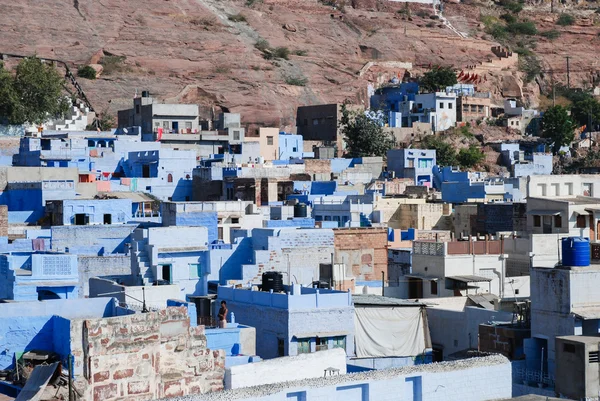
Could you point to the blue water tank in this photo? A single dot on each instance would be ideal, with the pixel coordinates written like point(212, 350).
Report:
point(575, 251)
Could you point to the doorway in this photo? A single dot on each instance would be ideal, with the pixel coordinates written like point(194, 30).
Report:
point(166, 273)
point(175, 126)
point(145, 171)
point(108, 219)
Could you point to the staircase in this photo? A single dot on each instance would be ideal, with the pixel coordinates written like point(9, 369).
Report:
point(77, 121)
point(140, 260)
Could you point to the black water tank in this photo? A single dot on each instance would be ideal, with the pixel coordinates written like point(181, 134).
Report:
point(145, 94)
point(272, 281)
point(300, 210)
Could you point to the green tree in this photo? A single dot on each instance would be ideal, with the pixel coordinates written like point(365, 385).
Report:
point(87, 72)
point(364, 135)
point(437, 78)
point(444, 152)
point(586, 111)
point(470, 157)
point(558, 126)
point(39, 90)
point(8, 97)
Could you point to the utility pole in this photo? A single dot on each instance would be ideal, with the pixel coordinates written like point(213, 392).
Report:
point(553, 88)
point(568, 73)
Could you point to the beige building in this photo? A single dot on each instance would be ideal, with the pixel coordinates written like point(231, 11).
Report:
point(422, 216)
point(471, 108)
point(269, 142)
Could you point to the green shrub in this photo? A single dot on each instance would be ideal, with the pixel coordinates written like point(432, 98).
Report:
point(262, 45)
point(281, 52)
point(530, 65)
point(237, 18)
point(422, 13)
point(498, 31)
point(470, 157)
point(509, 18)
point(112, 64)
point(512, 6)
point(296, 81)
point(551, 34)
point(565, 19)
point(488, 20)
point(300, 52)
point(87, 72)
point(522, 28)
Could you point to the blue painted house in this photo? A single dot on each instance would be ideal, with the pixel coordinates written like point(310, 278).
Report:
point(28, 276)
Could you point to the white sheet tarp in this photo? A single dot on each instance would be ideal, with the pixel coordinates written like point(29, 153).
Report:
point(388, 331)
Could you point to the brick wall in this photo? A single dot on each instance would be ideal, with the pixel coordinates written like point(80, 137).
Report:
point(317, 167)
point(146, 356)
point(3, 221)
point(363, 251)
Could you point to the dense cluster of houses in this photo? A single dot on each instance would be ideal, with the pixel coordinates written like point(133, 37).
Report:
point(117, 249)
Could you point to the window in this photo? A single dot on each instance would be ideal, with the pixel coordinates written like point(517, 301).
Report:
point(593, 356)
point(466, 108)
point(294, 149)
point(188, 125)
point(303, 346)
point(419, 106)
point(441, 105)
point(280, 347)
point(235, 220)
point(220, 232)
point(236, 135)
point(581, 221)
point(169, 177)
point(570, 348)
point(558, 221)
point(269, 140)
point(339, 342)
point(82, 219)
point(157, 123)
point(322, 344)
point(434, 287)
point(537, 221)
point(166, 273)
point(569, 189)
point(195, 271)
point(588, 189)
point(480, 109)
point(516, 291)
point(315, 121)
point(166, 124)
point(473, 108)
point(108, 219)
point(450, 106)
point(517, 123)
point(410, 163)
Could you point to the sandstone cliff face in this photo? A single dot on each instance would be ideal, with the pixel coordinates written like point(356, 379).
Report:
point(190, 50)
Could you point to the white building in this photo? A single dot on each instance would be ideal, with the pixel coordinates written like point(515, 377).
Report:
point(437, 108)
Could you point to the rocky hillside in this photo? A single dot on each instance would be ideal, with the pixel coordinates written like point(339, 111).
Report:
point(206, 52)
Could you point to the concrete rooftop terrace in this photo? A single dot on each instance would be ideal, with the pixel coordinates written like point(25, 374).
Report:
point(270, 389)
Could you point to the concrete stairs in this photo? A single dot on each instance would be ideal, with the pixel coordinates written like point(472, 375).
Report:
point(77, 121)
point(140, 260)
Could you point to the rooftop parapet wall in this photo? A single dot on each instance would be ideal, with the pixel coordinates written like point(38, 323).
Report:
point(147, 356)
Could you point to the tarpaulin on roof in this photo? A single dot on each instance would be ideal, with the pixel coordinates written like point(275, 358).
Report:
point(389, 331)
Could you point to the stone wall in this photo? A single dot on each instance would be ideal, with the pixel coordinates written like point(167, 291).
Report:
point(145, 356)
point(3, 221)
point(113, 266)
point(363, 251)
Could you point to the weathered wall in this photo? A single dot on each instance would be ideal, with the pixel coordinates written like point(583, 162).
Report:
point(363, 251)
point(285, 369)
point(113, 266)
point(147, 356)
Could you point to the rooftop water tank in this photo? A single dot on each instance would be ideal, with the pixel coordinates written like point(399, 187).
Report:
point(575, 251)
point(300, 210)
point(272, 281)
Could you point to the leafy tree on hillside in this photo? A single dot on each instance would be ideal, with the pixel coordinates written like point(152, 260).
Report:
point(34, 94)
point(586, 111)
point(558, 126)
point(364, 135)
point(438, 78)
point(470, 157)
point(444, 152)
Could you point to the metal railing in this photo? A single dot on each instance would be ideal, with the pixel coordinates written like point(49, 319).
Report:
point(536, 377)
